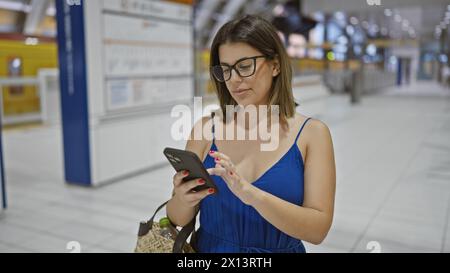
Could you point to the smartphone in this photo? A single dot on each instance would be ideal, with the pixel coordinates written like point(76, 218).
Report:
point(188, 161)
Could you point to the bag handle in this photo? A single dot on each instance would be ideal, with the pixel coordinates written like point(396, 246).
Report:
point(182, 236)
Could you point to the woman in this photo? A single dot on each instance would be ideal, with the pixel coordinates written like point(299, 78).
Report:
point(268, 201)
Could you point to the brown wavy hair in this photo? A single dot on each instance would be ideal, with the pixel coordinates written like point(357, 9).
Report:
point(261, 35)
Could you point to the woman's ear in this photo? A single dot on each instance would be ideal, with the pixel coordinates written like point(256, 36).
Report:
point(276, 67)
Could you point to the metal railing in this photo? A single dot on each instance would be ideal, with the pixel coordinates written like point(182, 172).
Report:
point(41, 82)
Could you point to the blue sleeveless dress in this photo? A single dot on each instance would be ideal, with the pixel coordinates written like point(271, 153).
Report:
point(227, 225)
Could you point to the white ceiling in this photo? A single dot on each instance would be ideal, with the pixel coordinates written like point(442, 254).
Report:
point(28, 14)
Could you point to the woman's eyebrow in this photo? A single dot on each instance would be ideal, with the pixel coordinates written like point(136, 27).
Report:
point(241, 59)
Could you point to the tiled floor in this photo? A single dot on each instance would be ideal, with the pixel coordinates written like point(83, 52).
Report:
point(393, 183)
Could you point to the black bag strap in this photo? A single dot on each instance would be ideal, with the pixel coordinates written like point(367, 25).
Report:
point(182, 236)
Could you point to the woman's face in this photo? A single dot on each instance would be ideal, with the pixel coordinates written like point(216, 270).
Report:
point(253, 90)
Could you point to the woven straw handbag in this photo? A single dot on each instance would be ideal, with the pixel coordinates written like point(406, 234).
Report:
point(150, 240)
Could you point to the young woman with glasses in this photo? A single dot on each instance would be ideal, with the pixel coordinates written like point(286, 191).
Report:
point(268, 201)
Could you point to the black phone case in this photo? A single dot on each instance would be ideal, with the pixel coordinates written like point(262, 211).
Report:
point(185, 160)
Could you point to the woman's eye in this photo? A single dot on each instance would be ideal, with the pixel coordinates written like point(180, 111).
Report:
point(244, 67)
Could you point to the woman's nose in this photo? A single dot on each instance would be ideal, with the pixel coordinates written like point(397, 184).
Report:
point(235, 76)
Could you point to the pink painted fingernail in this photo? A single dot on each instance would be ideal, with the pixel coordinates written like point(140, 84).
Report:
point(201, 182)
point(185, 172)
point(211, 191)
point(211, 152)
point(217, 159)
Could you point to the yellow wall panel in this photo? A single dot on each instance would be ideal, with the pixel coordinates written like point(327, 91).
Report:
point(19, 100)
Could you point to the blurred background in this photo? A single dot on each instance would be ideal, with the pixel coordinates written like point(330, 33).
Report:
point(87, 89)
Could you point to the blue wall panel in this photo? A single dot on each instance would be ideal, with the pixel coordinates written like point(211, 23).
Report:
point(2, 174)
point(74, 97)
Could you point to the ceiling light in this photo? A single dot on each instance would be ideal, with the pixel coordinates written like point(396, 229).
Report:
point(350, 30)
point(339, 15)
point(405, 23)
point(388, 12)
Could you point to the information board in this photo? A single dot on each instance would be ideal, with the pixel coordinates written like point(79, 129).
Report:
point(148, 53)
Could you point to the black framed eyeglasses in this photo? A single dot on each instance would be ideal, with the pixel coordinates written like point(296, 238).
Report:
point(245, 67)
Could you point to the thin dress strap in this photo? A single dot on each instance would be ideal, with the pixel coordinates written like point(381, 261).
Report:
point(213, 114)
point(299, 133)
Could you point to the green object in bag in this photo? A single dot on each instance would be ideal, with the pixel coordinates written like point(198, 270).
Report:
point(152, 236)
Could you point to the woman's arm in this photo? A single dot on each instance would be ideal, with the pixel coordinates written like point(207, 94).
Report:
point(313, 220)
point(178, 212)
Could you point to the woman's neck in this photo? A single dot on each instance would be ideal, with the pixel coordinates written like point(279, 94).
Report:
point(249, 119)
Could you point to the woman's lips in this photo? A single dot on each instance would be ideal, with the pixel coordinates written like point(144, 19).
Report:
point(241, 91)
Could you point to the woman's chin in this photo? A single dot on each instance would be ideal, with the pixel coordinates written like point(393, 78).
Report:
point(244, 101)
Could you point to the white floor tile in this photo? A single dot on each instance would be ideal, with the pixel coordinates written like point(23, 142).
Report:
point(120, 242)
point(4, 248)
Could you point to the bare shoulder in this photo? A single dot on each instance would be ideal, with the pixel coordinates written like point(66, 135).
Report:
point(200, 139)
point(318, 128)
point(315, 131)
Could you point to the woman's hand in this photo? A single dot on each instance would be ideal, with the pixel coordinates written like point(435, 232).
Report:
point(183, 190)
point(245, 191)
